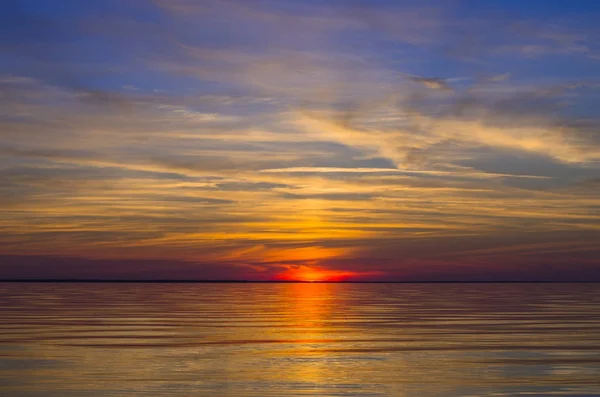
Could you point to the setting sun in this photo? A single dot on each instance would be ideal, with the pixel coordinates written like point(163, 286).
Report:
point(315, 274)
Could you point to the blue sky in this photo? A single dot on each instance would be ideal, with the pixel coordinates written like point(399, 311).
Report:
point(271, 139)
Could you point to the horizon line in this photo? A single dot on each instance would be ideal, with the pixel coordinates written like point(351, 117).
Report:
point(234, 281)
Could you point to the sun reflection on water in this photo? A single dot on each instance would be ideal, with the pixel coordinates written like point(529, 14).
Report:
point(299, 339)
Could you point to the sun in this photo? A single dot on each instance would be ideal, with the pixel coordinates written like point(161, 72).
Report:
point(314, 274)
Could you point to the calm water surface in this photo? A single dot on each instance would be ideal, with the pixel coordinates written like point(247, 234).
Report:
point(299, 340)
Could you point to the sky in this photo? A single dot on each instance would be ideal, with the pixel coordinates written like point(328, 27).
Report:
point(289, 139)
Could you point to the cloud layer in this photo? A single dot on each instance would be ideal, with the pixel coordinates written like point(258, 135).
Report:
point(234, 139)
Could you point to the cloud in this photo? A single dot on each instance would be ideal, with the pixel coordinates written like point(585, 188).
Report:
point(464, 174)
point(438, 137)
point(263, 137)
point(435, 83)
point(500, 77)
point(557, 142)
point(330, 169)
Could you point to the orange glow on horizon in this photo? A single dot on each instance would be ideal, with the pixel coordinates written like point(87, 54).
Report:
point(317, 274)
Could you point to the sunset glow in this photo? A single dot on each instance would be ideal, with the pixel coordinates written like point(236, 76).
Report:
point(300, 140)
point(250, 198)
point(313, 274)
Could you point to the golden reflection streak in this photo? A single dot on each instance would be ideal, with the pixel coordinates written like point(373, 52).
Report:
point(310, 307)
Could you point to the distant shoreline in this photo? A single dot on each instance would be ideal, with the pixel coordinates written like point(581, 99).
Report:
point(108, 281)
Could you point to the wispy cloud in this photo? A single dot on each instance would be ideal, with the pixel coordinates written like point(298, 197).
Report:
point(435, 83)
point(266, 138)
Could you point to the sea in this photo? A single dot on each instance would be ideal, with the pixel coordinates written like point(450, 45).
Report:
point(299, 339)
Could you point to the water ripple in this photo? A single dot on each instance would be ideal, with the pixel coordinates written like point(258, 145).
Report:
point(299, 340)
